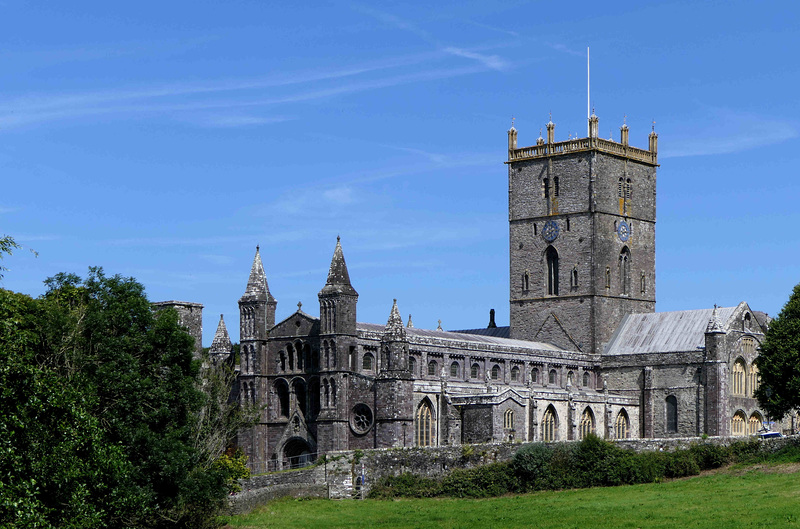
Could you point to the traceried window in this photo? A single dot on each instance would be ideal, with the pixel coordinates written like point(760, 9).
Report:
point(754, 379)
point(454, 370)
point(495, 372)
point(738, 377)
point(515, 374)
point(475, 371)
point(367, 362)
point(551, 256)
point(432, 368)
point(672, 414)
point(621, 425)
point(587, 422)
point(754, 423)
point(423, 425)
point(549, 425)
point(738, 424)
point(508, 419)
point(748, 345)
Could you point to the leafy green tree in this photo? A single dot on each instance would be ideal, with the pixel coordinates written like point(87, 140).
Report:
point(779, 361)
point(105, 423)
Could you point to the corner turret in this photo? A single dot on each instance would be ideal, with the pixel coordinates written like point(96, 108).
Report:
point(221, 346)
point(394, 386)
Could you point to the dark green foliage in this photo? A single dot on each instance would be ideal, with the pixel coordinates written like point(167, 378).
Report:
point(101, 423)
point(592, 462)
point(779, 361)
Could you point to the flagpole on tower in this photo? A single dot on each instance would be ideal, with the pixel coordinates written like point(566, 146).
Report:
point(588, 98)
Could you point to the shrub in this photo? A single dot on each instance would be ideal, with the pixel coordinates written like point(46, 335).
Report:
point(531, 465)
point(710, 456)
point(681, 463)
point(484, 481)
point(406, 485)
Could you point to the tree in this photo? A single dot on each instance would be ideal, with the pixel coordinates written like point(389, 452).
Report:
point(779, 361)
point(7, 247)
point(105, 423)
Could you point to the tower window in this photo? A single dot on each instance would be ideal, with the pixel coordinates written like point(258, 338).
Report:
point(573, 278)
point(643, 283)
point(535, 229)
point(526, 281)
point(567, 223)
point(624, 271)
point(552, 271)
point(555, 186)
point(619, 189)
point(608, 277)
point(546, 187)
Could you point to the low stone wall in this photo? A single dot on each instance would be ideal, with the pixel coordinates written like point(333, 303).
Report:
point(339, 475)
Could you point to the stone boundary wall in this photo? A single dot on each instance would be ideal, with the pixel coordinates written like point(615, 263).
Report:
point(337, 477)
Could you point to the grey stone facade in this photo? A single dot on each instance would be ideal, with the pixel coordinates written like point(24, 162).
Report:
point(584, 352)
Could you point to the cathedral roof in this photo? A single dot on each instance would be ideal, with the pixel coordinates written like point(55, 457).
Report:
point(257, 288)
point(665, 332)
point(222, 340)
point(338, 277)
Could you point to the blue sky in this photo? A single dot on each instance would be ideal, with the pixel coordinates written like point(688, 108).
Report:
point(164, 140)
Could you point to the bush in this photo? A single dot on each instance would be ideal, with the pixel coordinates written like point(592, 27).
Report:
point(484, 481)
point(406, 485)
point(681, 463)
point(710, 456)
point(531, 465)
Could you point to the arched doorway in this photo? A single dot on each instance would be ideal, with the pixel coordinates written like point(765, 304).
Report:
point(297, 453)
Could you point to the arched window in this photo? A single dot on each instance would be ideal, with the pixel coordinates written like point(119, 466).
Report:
point(423, 425)
point(367, 362)
point(508, 419)
point(299, 388)
point(628, 189)
point(333, 392)
point(569, 378)
point(587, 379)
point(621, 425)
point(475, 371)
point(748, 345)
point(754, 423)
point(643, 283)
point(432, 368)
point(625, 271)
point(282, 390)
point(515, 374)
point(746, 322)
point(495, 372)
point(738, 377)
point(326, 392)
point(290, 354)
point(551, 255)
point(283, 361)
point(573, 278)
point(608, 277)
point(535, 375)
point(587, 422)
point(553, 377)
point(326, 354)
point(672, 414)
point(454, 370)
point(546, 187)
point(620, 191)
point(754, 379)
point(738, 424)
point(315, 394)
point(549, 425)
point(412, 365)
point(526, 279)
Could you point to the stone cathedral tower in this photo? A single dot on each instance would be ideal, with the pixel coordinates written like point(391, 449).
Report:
point(582, 219)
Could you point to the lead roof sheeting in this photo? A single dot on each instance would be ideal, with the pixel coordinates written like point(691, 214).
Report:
point(464, 337)
point(664, 332)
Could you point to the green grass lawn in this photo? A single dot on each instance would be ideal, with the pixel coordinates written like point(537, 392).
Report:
point(731, 498)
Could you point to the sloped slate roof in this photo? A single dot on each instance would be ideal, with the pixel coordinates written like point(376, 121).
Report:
point(462, 337)
point(499, 332)
point(664, 332)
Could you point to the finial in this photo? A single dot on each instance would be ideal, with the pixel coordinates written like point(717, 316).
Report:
point(299, 305)
point(439, 328)
point(569, 136)
point(654, 124)
point(625, 119)
point(512, 122)
point(258, 247)
point(551, 116)
point(410, 323)
point(338, 238)
point(540, 132)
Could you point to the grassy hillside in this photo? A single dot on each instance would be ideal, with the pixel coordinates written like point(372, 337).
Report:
point(762, 496)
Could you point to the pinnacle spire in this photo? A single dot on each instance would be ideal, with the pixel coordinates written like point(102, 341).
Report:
point(222, 340)
point(257, 288)
point(394, 327)
point(338, 276)
point(714, 325)
point(410, 324)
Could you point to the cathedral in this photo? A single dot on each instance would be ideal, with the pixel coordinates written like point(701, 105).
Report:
point(585, 351)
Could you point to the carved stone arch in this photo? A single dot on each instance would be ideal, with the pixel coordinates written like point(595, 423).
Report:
point(551, 267)
point(549, 425)
point(587, 425)
point(282, 393)
point(622, 425)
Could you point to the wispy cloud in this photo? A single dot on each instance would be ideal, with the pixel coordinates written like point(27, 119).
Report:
point(732, 131)
point(495, 62)
point(564, 49)
point(233, 121)
point(5, 209)
point(493, 28)
point(283, 235)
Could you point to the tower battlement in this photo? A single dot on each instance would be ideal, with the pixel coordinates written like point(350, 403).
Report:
point(550, 148)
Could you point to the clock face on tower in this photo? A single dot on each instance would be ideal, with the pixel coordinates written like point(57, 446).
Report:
point(550, 231)
point(623, 231)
